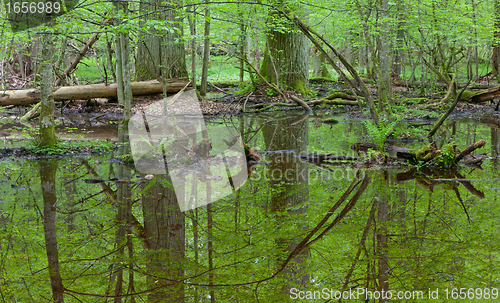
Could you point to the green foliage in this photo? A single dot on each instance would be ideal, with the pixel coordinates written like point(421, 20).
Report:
point(446, 158)
point(380, 133)
point(271, 92)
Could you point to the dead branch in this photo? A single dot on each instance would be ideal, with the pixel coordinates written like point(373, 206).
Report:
point(81, 54)
point(275, 87)
point(308, 32)
point(469, 150)
point(438, 124)
point(332, 102)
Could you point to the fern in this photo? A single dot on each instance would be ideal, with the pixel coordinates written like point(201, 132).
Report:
point(379, 133)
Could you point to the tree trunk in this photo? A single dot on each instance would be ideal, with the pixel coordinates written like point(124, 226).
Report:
point(319, 66)
point(384, 57)
point(400, 34)
point(47, 126)
point(496, 44)
point(242, 43)
point(286, 62)
point(194, 44)
point(161, 53)
point(206, 53)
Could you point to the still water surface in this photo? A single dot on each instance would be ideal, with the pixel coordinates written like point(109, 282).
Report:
point(293, 230)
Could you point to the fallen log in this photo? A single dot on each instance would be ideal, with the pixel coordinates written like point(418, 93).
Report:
point(469, 150)
point(339, 95)
point(332, 102)
point(85, 92)
point(440, 85)
point(487, 95)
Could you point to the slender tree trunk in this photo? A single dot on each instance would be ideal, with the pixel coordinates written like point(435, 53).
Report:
point(210, 247)
point(382, 250)
point(385, 61)
point(109, 58)
point(495, 60)
point(400, 34)
point(47, 126)
point(48, 171)
point(122, 50)
point(242, 43)
point(206, 52)
point(123, 216)
point(194, 44)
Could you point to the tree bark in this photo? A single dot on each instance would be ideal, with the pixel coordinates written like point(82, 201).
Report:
point(206, 53)
point(194, 44)
point(287, 59)
point(385, 61)
point(496, 44)
point(161, 53)
point(47, 125)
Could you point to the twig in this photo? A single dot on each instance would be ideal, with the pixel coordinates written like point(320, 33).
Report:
point(438, 124)
point(245, 103)
point(221, 90)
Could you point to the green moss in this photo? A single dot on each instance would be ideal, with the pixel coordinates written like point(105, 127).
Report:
point(321, 80)
point(447, 156)
point(467, 94)
point(424, 154)
point(47, 136)
point(300, 86)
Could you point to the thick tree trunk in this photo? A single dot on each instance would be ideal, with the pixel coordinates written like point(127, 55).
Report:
point(286, 62)
point(47, 126)
point(161, 50)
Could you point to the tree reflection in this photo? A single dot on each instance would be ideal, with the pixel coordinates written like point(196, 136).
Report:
point(48, 169)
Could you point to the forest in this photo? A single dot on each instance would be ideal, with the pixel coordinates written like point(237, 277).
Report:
point(249, 151)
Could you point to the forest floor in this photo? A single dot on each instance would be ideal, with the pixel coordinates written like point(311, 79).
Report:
point(230, 103)
point(97, 120)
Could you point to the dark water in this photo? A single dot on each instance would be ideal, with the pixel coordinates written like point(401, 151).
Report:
point(294, 230)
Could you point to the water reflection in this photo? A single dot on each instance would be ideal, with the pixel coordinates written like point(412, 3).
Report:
point(125, 239)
